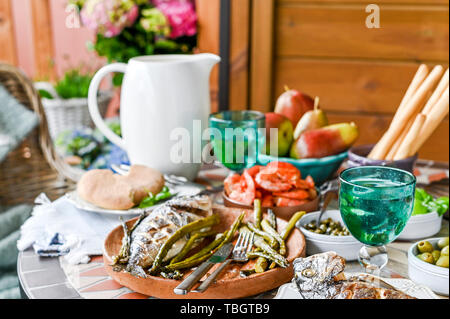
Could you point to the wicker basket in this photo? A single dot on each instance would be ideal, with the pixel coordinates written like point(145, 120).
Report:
point(69, 114)
point(19, 86)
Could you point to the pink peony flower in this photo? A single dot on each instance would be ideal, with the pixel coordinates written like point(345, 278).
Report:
point(109, 17)
point(181, 15)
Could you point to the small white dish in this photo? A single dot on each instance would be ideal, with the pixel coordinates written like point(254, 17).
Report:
point(424, 273)
point(289, 291)
point(346, 246)
point(422, 226)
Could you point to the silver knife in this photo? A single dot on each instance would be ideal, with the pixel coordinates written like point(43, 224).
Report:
point(219, 257)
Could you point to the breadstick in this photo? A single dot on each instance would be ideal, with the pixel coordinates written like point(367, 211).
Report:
point(405, 148)
point(437, 93)
point(414, 104)
point(421, 74)
point(431, 101)
point(419, 77)
point(437, 114)
point(399, 141)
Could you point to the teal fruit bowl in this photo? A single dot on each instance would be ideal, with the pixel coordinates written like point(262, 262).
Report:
point(320, 169)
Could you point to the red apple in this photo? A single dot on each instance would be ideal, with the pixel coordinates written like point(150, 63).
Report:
point(284, 135)
point(293, 104)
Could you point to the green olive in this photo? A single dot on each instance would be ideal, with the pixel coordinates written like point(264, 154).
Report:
point(444, 251)
point(442, 261)
point(425, 247)
point(426, 257)
point(436, 254)
point(443, 242)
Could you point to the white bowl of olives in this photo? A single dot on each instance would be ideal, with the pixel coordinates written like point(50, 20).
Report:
point(428, 264)
point(330, 234)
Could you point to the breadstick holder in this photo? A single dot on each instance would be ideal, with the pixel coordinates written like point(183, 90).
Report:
point(357, 156)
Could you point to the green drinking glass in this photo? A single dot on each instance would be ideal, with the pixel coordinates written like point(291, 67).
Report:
point(375, 202)
point(237, 138)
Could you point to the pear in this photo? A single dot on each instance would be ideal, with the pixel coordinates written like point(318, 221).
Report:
point(311, 120)
point(325, 141)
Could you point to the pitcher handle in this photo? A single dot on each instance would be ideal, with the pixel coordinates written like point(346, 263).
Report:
point(93, 105)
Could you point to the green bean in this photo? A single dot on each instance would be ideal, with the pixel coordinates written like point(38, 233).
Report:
point(124, 252)
point(183, 231)
point(198, 258)
point(272, 232)
point(279, 260)
point(272, 241)
point(261, 265)
point(257, 213)
point(258, 241)
point(208, 252)
point(176, 275)
point(291, 224)
point(272, 218)
point(190, 244)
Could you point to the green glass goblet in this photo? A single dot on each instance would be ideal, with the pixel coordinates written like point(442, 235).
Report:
point(376, 202)
point(237, 138)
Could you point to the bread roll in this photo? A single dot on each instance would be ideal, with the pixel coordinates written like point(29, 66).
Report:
point(107, 190)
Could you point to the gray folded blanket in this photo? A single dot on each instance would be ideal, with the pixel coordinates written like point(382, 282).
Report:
point(16, 121)
point(10, 222)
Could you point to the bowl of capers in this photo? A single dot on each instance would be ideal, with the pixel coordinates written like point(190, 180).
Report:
point(428, 264)
point(329, 235)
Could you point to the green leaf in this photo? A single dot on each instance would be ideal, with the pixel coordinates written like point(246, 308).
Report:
point(419, 208)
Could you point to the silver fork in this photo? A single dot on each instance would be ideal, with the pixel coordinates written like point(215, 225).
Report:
point(243, 245)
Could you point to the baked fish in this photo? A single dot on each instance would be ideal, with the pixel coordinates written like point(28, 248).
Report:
point(143, 241)
point(322, 277)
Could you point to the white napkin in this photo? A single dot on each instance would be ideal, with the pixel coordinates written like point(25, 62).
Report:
point(85, 231)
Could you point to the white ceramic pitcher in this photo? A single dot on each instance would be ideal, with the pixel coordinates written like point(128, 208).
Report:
point(160, 93)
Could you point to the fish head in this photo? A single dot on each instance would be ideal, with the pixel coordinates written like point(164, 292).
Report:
point(315, 274)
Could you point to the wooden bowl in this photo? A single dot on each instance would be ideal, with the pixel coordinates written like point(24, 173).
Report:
point(226, 286)
point(281, 212)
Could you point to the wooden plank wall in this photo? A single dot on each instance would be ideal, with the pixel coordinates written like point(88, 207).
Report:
point(323, 48)
point(42, 37)
point(43, 40)
point(8, 50)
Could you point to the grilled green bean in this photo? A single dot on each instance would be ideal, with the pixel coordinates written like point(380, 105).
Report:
point(278, 259)
point(272, 241)
point(258, 241)
point(208, 251)
point(176, 275)
point(272, 219)
point(190, 244)
point(123, 256)
point(290, 226)
point(261, 265)
point(183, 231)
point(272, 232)
point(257, 213)
point(199, 257)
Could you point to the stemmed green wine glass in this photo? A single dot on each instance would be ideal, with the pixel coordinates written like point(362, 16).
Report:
point(376, 202)
point(237, 137)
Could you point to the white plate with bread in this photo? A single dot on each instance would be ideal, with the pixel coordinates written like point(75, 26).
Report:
point(105, 192)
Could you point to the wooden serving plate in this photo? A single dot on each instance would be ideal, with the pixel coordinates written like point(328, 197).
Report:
point(226, 286)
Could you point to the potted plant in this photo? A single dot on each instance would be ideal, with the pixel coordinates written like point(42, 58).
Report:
point(129, 28)
point(65, 103)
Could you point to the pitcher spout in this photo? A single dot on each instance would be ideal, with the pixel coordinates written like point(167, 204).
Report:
point(207, 60)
